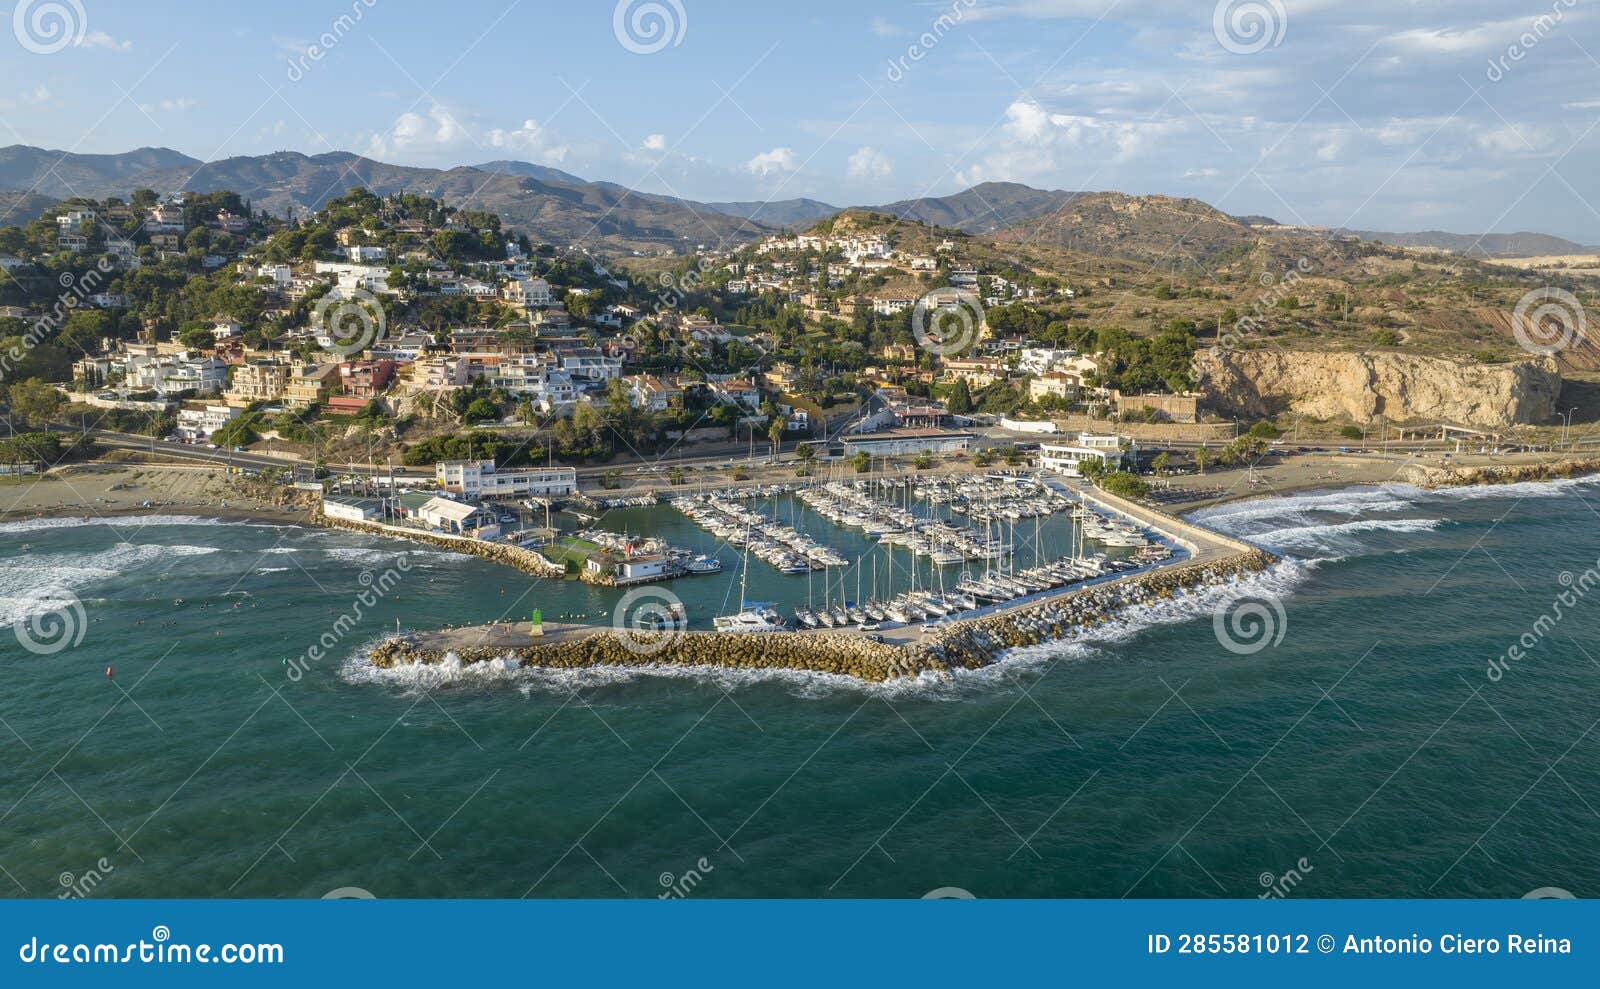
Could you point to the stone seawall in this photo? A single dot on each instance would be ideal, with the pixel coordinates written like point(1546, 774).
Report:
point(976, 643)
point(526, 560)
point(1451, 477)
point(961, 645)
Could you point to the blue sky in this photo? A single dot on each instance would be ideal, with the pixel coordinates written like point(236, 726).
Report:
point(1468, 115)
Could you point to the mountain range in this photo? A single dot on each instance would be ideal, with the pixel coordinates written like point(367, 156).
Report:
point(559, 207)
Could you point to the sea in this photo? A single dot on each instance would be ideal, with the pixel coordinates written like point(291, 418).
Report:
point(1405, 706)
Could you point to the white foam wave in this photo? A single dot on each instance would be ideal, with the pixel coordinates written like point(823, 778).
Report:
point(1557, 488)
point(1336, 535)
point(116, 521)
point(28, 582)
point(1242, 518)
point(1278, 581)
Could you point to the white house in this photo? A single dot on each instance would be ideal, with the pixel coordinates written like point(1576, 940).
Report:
point(481, 479)
point(1066, 458)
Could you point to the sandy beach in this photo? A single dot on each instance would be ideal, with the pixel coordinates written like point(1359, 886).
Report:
point(110, 489)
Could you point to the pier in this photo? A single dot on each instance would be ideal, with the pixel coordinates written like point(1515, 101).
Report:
point(968, 642)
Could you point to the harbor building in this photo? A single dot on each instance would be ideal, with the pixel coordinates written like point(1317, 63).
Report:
point(1065, 458)
point(482, 479)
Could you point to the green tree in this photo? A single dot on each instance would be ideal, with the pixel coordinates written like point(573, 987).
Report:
point(862, 462)
point(775, 433)
point(1202, 458)
point(1351, 432)
point(1124, 484)
point(1265, 430)
point(959, 401)
point(1161, 463)
point(34, 401)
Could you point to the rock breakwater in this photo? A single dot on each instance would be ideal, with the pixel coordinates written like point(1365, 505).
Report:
point(526, 560)
point(1453, 477)
point(962, 645)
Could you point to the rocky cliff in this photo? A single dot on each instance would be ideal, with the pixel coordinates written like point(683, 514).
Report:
point(1362, 387)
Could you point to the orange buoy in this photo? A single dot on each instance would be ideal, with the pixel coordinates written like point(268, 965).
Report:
point(110, 673)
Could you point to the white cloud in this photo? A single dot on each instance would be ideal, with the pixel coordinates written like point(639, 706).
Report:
point(178, 105)
point(655, 142)
point(100, 39)
point(870, 164)
point(776, 160)
point(530, 139)
point(884, 28)
point(441, 133)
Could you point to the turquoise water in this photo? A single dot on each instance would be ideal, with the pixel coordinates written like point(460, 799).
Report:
point(1367, 751)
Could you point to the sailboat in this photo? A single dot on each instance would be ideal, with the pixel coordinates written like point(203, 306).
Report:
point(754, 616)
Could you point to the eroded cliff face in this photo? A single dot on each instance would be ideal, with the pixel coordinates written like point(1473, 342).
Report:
point(1362, 387)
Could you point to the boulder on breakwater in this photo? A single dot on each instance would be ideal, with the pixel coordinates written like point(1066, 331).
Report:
point(841, 654)
point(1450, 477)
point(526, 560)
point(978, 642)
point(962, 645)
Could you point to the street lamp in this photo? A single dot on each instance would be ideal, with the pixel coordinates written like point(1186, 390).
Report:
point(1566, 424)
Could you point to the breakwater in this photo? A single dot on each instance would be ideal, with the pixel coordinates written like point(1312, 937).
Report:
point(960, 645)
point(1447, 477)
point(526, 560)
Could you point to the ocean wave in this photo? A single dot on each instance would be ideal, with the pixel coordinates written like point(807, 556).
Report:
point(1555, 488)
point(1278, 581)
point(1335, 536)
point(31, 583)
point(1242, 518)
point(116, 521)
